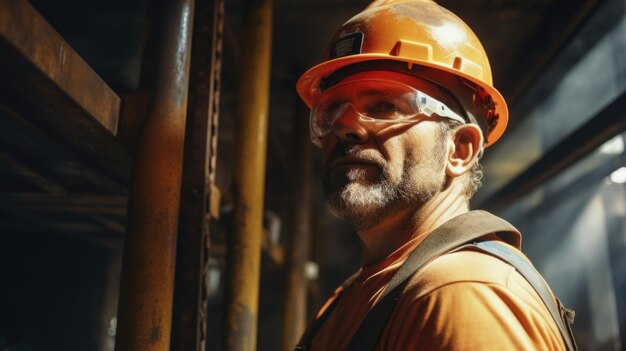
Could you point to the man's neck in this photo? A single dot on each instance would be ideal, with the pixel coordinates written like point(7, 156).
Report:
point(391, 233)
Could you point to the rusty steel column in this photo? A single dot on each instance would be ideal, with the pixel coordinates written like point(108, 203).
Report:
point(298, 241)
point(189, 328)
point(147, 283)
point(244, 246)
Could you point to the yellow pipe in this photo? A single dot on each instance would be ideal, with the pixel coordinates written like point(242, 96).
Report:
point(244, 250)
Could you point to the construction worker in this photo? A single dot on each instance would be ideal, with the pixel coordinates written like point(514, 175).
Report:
point(402, 109)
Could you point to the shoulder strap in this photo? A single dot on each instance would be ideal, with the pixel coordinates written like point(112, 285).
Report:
point(450, 235)
point(561, 315)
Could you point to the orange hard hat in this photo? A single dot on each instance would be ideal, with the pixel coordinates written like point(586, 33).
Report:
point(417, 37)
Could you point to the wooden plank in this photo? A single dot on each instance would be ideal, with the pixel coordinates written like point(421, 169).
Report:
point(71, 203)
point(60, 215)
point(47, 82)
point(115, 226)
point(25, 223)
point(35, 149)
point(45, 50)
point(10, 165)
point(35, 225)
point(29, 222)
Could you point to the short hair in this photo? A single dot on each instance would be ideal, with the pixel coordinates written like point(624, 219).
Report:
point(475, 176)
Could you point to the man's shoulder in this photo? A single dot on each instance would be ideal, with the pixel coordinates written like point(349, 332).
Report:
point(470, 300)
point(464, 266)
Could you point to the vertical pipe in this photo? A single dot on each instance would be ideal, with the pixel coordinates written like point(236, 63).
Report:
point(298, 242)
point(147, 283)
point(189, 328)
point(244, 247)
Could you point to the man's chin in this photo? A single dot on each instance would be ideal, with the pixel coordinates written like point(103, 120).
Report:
point(360, 218)
point(360, 204)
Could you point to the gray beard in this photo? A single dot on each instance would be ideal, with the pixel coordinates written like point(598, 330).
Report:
point(364, 203)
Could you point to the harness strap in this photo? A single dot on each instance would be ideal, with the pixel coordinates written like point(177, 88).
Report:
point(562, 316)
point(457, 231)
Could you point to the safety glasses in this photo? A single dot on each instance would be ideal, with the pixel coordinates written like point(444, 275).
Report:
point(374, 101)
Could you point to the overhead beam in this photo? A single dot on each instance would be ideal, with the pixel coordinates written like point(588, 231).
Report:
point(45, 81)
point(36, 46)
point(587, 138)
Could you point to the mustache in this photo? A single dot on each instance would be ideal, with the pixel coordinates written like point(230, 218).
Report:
point(351, 150)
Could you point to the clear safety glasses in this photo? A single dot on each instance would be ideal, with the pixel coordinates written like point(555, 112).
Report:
point(374, 100)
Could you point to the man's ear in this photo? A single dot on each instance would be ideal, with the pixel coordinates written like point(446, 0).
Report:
point(464, 149)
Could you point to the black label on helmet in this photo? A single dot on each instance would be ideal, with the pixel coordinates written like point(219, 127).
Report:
point(351, 44)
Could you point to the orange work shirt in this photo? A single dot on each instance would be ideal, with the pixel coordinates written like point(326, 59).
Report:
point(465, 300)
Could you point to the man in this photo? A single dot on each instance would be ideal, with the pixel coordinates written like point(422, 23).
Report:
point(402, 109)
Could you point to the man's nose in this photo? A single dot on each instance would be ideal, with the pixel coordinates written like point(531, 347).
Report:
point(349, 128)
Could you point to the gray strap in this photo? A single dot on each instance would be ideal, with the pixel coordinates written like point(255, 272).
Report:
point(450, 235)
point(560, 314)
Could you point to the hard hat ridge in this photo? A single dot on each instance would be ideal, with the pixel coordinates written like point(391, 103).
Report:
point(379, 3)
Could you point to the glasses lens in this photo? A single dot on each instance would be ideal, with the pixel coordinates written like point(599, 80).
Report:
point(376, 100)
point(386, 105)
point(373, 100)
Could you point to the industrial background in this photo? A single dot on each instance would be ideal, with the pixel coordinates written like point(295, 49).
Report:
point(158, 189)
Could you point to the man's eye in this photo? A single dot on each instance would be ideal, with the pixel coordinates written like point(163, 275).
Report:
point(383, 109)
point(335, 107)
point(386, 107)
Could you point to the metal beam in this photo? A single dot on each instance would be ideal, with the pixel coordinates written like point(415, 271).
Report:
point(562, 20)
point(189, 328)
point(244, 247)
point(147, 282)
point(48, 83)
point(606, 124)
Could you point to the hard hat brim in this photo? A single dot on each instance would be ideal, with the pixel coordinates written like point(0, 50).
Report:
point(308, 84)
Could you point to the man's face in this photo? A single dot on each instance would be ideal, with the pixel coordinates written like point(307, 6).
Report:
point(372, 171)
